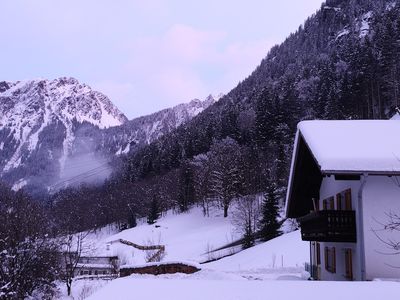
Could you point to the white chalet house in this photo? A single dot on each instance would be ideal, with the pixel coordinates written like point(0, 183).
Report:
point(344, 184)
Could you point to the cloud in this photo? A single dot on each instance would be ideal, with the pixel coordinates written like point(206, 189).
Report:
point(186, 63)
point(145, 55)
point(180, 45)
point(180, 83)
point(191, 45)
point(238, 60)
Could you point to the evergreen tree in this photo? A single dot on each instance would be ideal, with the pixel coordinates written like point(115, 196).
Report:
point(248, 237)
point(154, 212)
point(269, 225)
point(132, 222)
point(265, 120)
point(186, 190)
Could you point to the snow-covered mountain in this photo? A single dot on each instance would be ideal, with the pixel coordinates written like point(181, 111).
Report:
point(144, 130)
point(55, 130)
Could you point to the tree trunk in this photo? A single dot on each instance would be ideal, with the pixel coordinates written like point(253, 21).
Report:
point(226, 209)
point(69, 283)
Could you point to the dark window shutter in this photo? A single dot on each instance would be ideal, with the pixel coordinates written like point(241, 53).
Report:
point(339, 201)
point(333, 260)
point(326, 256)
point(347, 197)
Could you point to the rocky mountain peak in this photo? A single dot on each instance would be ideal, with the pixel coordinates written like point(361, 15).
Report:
point(54, 130)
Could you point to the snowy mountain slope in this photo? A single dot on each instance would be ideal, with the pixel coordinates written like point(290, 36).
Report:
point(52, 131)
point(146, 129)
point(193, 237)
point(38, 123)
point(186, 237)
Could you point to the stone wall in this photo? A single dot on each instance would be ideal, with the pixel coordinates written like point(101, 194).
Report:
point(159, 269)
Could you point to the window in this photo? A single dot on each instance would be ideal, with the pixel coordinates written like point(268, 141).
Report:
point(331, 202)
point(347, 199)
point(339, 201)
point(343, 200)
point(348, 263)
point(328, 203)
point(324, 204)
point(330, 259)
point(318, 254)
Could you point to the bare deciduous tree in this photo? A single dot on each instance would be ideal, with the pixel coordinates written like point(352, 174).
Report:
point(226, 177)
point(245, 218)
point(74, 247)
point(391, 225)
point(202, 172)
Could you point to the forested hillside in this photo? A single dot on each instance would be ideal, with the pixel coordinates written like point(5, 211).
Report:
point(343, 63)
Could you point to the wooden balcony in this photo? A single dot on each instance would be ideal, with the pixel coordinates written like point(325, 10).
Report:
point(329, 226)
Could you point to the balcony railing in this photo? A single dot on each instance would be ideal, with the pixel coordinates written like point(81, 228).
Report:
point(329, 226)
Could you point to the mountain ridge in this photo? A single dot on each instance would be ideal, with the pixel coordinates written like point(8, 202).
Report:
point(43, 123)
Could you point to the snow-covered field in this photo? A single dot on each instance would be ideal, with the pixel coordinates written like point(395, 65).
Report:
point(269, 270)
point(202, 288)
point(187, 237)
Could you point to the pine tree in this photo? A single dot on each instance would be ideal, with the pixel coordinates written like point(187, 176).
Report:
point(186, 187)
point(269, 225)
point(154, 212)
point(248, 237)
point(132, 222)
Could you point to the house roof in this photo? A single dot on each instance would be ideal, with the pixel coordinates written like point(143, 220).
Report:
point(355, 146)
point(351, 147)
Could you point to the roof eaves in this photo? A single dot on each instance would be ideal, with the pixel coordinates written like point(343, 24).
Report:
point(298, 138)
point(360, 172)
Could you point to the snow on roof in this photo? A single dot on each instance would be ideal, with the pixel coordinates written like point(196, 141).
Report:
point(354, 145)
point(94, 266)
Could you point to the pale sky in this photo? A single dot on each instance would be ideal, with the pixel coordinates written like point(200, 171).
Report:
point(145, 55)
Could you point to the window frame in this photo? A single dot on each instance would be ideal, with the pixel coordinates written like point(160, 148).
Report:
point(330, 259)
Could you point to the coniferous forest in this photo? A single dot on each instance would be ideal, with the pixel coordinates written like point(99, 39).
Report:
point(342, 63)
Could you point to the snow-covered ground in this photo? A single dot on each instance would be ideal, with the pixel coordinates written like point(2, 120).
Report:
point(273, 269)
point(187, 237)
point(201, 287)
point(286, 251)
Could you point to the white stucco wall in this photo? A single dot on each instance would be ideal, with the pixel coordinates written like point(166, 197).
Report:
point(381, 195)
point(329, 188)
